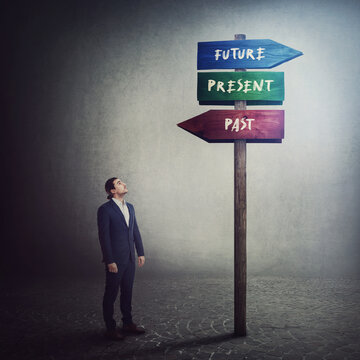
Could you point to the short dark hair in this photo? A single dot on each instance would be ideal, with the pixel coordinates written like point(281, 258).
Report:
point(109, 185)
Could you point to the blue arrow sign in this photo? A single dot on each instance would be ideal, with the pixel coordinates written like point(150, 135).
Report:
point(243, 54)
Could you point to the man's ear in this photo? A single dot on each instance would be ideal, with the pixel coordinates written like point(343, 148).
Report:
point(113, 191)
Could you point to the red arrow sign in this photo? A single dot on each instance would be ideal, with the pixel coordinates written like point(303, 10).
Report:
point(227, 125)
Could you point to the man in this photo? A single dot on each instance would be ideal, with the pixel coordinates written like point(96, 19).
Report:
point(118, 233)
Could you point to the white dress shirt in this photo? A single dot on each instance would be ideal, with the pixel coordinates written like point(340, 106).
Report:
point(124, 209)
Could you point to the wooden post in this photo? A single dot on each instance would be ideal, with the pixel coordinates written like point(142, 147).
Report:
point(240, 226)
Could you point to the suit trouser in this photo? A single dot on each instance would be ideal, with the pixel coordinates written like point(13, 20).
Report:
point(124, 280)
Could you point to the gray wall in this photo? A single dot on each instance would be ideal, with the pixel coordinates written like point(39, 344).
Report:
point(95, 90)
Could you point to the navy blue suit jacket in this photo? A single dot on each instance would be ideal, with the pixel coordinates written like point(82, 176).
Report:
point(117, 240)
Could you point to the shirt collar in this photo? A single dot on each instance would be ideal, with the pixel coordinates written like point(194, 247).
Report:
point(118, 202)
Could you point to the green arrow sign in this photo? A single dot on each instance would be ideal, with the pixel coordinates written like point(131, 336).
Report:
point(242, 85)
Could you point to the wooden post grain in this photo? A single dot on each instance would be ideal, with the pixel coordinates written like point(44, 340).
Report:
point(240, 226)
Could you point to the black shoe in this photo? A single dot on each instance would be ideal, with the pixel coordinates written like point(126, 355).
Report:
point(114, 335)
point(133, 329)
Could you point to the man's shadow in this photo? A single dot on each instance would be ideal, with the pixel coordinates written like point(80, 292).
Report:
point(153, 350)
point(93, 344)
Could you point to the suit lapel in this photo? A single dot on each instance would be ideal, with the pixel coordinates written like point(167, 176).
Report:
point(118, 211)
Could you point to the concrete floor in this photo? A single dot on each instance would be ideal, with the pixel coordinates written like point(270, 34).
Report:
point(186, 317)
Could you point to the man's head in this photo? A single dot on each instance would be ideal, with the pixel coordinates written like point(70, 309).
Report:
point(115, 188)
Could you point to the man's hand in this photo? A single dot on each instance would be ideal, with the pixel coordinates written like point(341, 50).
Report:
point(112, 268)
point(141, 261)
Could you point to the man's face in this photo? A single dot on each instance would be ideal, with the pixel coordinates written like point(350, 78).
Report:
point(120, 188)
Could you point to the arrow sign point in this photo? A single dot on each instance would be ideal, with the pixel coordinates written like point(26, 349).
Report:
point(195, 125)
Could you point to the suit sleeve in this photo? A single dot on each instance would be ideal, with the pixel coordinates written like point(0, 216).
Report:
point(137, 239)
point(103, 220)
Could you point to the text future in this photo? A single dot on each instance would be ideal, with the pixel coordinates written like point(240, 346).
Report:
point(239, 54)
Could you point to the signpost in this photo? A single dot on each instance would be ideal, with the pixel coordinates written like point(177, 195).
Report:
point(248, 54)
point(259, 85)
point(240, 125)
point(229, 125)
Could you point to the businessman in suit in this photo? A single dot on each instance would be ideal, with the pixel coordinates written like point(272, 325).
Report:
point(118, 235)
